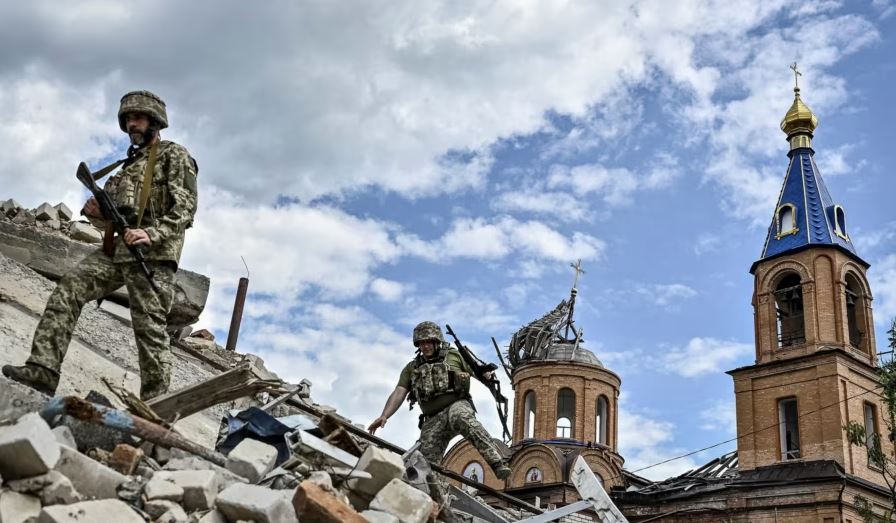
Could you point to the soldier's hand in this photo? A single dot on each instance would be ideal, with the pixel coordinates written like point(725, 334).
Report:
point(489, 375)
point(92, 209)
point(136, 237)
point(377, 423)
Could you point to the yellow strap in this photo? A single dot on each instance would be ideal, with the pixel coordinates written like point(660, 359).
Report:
point(147, 182)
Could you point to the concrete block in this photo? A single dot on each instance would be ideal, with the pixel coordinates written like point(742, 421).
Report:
point(64, 436)
point(384, 465)
point(63, 212)
point(403, 501)
point(84, 232)
point(27, 448)
point(159, 488)
point(53, 488)
point(17, 508)
point(214, 516)
point(24, 217)
point(105, 510)
point(200, 486)
point(375, 516)
point(91, 478)
point(252, 459)
point(259, 504)
point(155, 508)
point(313, 503)
point(125, 459)
point(175, 515)
point(45, 212)
point(10, 207)
point(226, 478)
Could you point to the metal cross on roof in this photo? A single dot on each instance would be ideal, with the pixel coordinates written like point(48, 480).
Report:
point(578, 268)
point(796, 75)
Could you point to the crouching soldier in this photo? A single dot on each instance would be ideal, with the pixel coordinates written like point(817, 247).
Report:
point(157, 182)
point(439, 379)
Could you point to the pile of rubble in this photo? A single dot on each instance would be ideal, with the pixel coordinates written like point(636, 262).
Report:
point(50, 217)
point(46, 479)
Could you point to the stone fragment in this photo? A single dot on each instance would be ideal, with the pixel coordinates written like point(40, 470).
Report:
point(375, 516)
point(313, 503)
point(16, 507)
point(155, 508)
point(403, 501)
point(175, 515)
point(106, 511)
point(225, 477)
point(64, 436)
point(24, 217)
point(45, 212)
point(63, 213)
point(125, 459)
point(50, 224)
point(27, 448)
point(251, 502)
point(203, 334)
point(214, 516)
point(84, 232)
point(10, 207)
point(200, 486)
point(91, 478)
point(384, 465)
point(160, 488)
point(131, 490)
point(251, 459)
point(322, 480)
point(53, 488)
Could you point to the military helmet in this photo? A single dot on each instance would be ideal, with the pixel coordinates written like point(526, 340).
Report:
point(427, 330)
point(143, 102)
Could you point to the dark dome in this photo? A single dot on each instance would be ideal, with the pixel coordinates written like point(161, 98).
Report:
point(565, 352)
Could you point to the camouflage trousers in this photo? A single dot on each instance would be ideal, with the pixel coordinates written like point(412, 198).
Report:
point(95, 277)
point(457, 418)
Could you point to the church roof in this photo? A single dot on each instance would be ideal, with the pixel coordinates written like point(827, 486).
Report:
point(805, 215)
point(569, 352)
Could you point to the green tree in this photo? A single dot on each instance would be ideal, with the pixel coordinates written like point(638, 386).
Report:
point(857, 434)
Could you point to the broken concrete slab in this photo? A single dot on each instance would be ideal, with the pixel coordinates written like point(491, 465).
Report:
point(45, 212)
point(175, 515)
point(53, 488)
point(403, 501)
point(10, 207)
point(383, 465)
point(156, 507)
point(63, 212)
point(375, 516)
point(259, 504)
point(251, 459)
point(313, 503)
point(27, 448)
point(180, 462)
point(84, 232)
point(17, 508)
point(214, 516)
point(24, 217)
point(101, 510)
point(159, 488)
point(91, 478)
point(200, 486)
point(64, 436)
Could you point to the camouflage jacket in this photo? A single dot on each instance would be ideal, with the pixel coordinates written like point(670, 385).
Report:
point(171, 205)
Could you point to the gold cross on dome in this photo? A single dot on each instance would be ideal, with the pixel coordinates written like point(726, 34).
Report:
point(796, 75)
point(577, 266)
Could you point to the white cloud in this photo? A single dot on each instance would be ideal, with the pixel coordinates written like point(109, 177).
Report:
point(387, 290)
point(645, 441)
point(834, 162)
point(704, 355)
point(561, 205)
point(865, 241)
point(706, 243)
point(465, 310)
point(720, 417)
point(664, 294)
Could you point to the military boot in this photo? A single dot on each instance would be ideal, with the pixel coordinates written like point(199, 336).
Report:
point(151, 390)
point(38, 378)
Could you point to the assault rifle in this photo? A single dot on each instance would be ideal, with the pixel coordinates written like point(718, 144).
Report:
point(111, 213)
point(480, 368)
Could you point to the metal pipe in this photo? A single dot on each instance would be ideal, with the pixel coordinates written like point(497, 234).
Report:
point(237, 318)
point(124, 422)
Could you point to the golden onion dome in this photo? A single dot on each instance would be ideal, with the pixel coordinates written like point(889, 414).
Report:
point(799, 118)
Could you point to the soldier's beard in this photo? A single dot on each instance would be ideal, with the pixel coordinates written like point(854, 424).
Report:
point(140, 139)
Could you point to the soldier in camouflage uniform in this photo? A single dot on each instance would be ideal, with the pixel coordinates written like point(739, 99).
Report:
point(439, 379)
point(157, 227)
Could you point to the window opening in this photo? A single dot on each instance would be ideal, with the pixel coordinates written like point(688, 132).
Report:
point(529, 415)
point(788, 419)
point(789, 310)
point(601, 419)
point(566, 412)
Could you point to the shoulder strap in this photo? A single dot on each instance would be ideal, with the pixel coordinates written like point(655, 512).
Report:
point(147, 181)
point(106, 170)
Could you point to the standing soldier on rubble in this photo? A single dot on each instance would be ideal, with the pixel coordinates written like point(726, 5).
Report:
point(439, 379)
point(156, 190)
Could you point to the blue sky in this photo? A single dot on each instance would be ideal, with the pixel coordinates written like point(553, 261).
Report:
point(378, 164)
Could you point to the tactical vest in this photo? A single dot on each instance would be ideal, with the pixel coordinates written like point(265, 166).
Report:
point(434, 378)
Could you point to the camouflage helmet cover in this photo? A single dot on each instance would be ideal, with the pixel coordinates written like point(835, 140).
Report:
point(143, 102)
point(427, 330)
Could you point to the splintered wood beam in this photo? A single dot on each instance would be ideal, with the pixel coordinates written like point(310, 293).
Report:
point(234, 384)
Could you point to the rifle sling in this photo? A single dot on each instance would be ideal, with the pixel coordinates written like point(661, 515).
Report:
point(147, 182)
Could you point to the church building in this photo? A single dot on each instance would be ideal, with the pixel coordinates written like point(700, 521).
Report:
point(814, 372)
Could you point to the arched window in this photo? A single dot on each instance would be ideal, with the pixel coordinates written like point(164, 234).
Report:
point(840, 222)
point(601, 418)
point(855, 312)
point(789, 308)
point(566, 413)
point(786, 218)
point(529, 415)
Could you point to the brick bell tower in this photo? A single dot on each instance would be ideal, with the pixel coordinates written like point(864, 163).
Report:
point(815, 349)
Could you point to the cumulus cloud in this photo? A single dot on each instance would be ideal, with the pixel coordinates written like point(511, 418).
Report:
point(720, 417)
point(387, 290)
point(666, 294)
point(645, 442)
point(705, 355)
